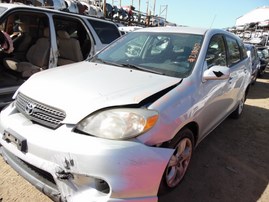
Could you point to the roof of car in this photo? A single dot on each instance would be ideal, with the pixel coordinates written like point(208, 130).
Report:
point(191, 30)
point(247, 45)
point(20, 5)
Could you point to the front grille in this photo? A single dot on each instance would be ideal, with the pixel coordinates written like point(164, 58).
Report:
point(39, 112)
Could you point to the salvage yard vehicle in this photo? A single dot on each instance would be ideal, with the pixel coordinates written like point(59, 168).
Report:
point(123, 125)
point(263, 54)
point(255, 61)
point(45, 38)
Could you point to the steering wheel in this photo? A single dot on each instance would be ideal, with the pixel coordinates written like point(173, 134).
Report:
point(6, 43)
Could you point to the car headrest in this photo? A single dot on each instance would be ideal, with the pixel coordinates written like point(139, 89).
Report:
point(63, 34)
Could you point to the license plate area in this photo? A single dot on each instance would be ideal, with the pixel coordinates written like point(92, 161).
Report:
point(16, 139)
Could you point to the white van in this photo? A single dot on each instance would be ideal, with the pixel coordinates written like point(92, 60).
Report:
point(45, 38)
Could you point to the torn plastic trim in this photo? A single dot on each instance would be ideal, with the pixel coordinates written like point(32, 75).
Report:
point(47, 187)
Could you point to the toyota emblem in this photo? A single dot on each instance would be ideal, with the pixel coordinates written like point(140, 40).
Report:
point(29, 109)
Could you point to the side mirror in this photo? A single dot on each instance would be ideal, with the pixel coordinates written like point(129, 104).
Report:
point(216, 73)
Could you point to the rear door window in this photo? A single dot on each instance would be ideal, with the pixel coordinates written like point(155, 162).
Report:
point(74, 29)
point(106, 32)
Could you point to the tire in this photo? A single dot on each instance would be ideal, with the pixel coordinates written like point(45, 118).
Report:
point(238, 111)
point(255, 78)
point(261, 73)
point(179, 161)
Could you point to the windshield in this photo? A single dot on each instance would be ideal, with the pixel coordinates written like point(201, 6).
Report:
point(171, 54)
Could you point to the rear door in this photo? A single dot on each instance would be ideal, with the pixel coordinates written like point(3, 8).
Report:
point(238, 64)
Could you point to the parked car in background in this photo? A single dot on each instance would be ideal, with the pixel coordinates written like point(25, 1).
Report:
point(45, 38)
point(263, 54)
point(255, 61)
point(123, 125)
point(127, 29)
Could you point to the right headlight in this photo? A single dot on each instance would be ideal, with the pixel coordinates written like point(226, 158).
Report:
point(120, 123)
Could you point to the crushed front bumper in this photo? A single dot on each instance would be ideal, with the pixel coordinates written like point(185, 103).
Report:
point(68, 166)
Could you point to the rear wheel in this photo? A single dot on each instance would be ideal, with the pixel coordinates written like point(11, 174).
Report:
point(255, 78)
point(179, 161)
point(261, 72)
point(238, 111)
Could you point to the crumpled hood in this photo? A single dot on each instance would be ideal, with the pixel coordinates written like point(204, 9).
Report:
point(82, 88)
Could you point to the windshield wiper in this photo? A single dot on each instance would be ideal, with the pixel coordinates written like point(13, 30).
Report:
point(106, 62)
point(132, 66)
point(141, 68)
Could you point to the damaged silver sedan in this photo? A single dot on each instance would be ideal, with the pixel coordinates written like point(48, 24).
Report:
point(123, 126)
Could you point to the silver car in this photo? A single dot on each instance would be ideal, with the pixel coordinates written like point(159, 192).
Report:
point(123, 126)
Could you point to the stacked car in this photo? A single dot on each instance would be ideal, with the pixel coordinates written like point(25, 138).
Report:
point(263, 54)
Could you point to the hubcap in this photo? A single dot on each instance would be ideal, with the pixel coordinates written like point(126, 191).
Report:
point(179, 162)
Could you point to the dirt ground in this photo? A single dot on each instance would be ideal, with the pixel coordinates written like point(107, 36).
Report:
point(231, 164)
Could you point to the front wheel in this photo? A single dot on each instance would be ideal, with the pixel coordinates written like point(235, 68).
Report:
point(179, 161)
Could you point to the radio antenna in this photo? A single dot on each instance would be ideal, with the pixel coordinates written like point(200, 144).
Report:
point(212, 21)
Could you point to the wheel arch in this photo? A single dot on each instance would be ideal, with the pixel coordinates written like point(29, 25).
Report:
point(247, 91)
point(194, 127)
point(189, 131)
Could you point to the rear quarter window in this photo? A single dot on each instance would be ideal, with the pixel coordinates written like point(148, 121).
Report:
point(106, 32)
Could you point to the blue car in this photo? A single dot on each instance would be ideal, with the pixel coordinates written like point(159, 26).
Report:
point(263, 54)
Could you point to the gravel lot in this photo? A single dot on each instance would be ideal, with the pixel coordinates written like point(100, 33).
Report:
point(231, 164)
